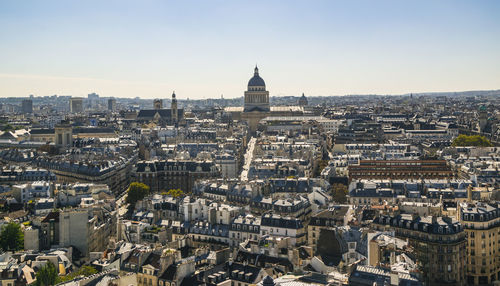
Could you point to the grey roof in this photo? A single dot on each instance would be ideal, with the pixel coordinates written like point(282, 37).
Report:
point(437, 225)
point(256, 80)
point(174, 165)
point(164, 113)
point(270, 219)
point(42, 131)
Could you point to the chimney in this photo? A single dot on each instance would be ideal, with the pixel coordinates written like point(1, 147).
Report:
point(469, 194)
point(434, 219)
point(394, 278)
point(392, 258)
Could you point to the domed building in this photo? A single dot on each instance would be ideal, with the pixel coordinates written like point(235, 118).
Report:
point(303, 100)
point(257, 106)
point(256, 96)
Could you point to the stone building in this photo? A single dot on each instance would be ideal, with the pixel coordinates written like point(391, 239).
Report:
point(326, 219)
point(439, 244)
point(162, 116)
point(482, 225)
point(244, 227)
point(400, 169)
point(174, 174)
point(257, 107)
point(76, 104)
point(303, 100)
point(63, 134)
point(275, 225)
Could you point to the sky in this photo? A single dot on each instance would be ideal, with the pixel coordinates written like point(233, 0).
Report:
point(205, 49)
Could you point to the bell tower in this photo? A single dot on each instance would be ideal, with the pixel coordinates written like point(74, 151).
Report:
point(158, 104)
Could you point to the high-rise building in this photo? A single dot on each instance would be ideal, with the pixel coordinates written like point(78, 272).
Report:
point(93, 96)
point(111, 104)
point(27, 106)
point(76, 104)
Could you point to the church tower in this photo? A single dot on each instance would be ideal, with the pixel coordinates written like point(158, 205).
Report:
point(256, 96)
point(175, 112)
point(158, 104)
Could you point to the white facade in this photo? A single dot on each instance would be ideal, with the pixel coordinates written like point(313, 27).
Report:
point(228, 165)
point(26, 192)
point(330, 125)
point(196, 210)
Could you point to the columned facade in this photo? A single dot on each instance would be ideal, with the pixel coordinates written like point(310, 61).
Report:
point(256, 101)
point(256, 96)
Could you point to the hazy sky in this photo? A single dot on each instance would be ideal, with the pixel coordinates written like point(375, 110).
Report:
point(203, 49)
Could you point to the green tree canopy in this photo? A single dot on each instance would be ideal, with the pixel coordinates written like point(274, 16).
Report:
point(8, 127)
point(83, 271)
point(175, 193)
point(339, 193)
point(12, 237)
point(47, 275)
point(472, 140)
point(321, 165)
point(136, 191)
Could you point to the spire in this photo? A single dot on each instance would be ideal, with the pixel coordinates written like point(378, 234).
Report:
point(173, 94)
point(256, 71)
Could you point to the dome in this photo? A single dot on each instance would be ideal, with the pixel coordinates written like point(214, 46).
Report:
point(268, 281)
point(256, 80)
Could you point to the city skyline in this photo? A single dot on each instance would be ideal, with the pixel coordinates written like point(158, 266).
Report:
point(205, 50)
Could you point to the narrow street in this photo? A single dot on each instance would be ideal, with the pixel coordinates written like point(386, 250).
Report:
point(248, 159)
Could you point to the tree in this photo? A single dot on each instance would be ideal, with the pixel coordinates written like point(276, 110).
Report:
point(136, 192)
point(83, 271)
point(8, 127)
point(12, 237)
point(473, 140)
point(50, 149)
point(175, 193)
point(339, 193)
point(321, 165)
point(47, 275)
